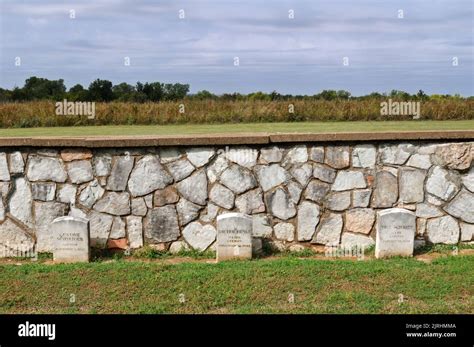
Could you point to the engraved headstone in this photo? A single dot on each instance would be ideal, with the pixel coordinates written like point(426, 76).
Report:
point(396, 229)
point(234, 236)
point(70, 239)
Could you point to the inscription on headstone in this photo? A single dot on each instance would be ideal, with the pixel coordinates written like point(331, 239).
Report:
point(396, 229)
point(70, 239)
point(234, 236)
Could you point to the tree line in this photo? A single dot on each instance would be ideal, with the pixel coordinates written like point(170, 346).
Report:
point(36, 88)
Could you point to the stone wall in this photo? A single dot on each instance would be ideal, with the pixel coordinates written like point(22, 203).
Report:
point(298, 194)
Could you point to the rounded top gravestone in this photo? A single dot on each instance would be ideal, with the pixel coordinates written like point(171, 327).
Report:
point(70, 239)
point(234, 236)
point(396, 228)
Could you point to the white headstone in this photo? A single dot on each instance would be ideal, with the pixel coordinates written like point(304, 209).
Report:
point(396, 228)
point(234, 236)
point(70, 239)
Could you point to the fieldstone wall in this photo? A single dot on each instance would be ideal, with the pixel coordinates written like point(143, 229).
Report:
point(298, 195)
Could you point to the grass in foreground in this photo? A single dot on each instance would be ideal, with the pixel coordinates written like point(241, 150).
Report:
point(187, 129)
point(446, 285)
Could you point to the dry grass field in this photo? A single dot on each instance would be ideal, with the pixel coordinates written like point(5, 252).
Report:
point(42, 113)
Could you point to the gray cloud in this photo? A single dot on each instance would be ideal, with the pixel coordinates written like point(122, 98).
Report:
point(300, 55)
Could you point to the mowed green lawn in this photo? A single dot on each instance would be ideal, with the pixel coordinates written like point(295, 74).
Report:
point(446, 285)
point(187, 129)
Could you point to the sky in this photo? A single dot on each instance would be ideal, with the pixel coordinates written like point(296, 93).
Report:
point(293, 47)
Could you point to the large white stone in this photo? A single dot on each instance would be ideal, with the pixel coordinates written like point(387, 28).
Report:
point(161, 224)
point(324, 173)
point(442, 183)
point(271, 154)
point(210, 214)
point(308, 219)
point(250, 202)
point(180, 169)
point(297, 154)
point(135, 231)
point(468, 180)
point(295, 191)
point(169, 154)
point(67, 193)
point(316, 191)
point(280, 204)
point(361, 198)
point(316, 154)
point(421, 161)
point(338, 201)
point(45, 169)
point(396, 154)
point(215, 169)
point(199, 236)
point(302, 173)
point(148, 175)
point(262, 226)
point(443, 230)
point(284, 231)
point(4, 173)
point(360, 220)
point(462, 206)
point(80, 171)
point(426, 210)
point(467, 231)
point(17, 165)
point(386, 189)
point(118, 229)
point(244, 156)
point(45, 214)
point(121, 168)
point(456, 156)
point(238, 179)
point(187, 211)
point(271, 176)
point(91, 193)
point(350, 241)
point(178, 246)
point(329, 230)
point(337, 157)
point(194, 188)
point(21, 201)
point(116, 203)
point(346, 180)
point(200, 156)
point(364, 156)
point(102, 164)
point(222, 196)
point(99, 225)
point(139, 207)
point(411, 185)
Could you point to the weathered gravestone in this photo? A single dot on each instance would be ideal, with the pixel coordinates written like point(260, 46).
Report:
point(234, 236)
point(396, 229)
point(70, 239)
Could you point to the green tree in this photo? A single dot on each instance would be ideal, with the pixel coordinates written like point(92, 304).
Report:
point(123, 92)
point(101, 90)
point(204, 95)
point(42, 88)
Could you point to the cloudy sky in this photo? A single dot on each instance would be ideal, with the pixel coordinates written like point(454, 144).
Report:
point(300, 55)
